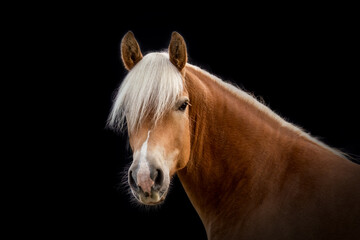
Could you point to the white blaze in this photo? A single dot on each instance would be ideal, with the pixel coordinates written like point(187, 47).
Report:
point(143, 174)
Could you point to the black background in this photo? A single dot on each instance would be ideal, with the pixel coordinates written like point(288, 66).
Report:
point(302, 60)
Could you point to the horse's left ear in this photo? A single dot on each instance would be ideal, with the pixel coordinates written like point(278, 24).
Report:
point(177, 51)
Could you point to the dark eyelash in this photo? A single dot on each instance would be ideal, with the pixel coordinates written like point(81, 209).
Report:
point(183, 106)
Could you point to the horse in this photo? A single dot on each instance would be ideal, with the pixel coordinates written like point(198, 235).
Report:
point(249, 173)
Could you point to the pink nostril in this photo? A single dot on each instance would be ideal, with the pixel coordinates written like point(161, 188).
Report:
point(158, 178)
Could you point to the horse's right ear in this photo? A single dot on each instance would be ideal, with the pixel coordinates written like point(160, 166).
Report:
point(130, 51)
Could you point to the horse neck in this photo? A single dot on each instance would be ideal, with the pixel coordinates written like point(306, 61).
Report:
point(235, 146)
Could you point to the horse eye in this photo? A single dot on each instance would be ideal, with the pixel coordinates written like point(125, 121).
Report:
point(183, 106)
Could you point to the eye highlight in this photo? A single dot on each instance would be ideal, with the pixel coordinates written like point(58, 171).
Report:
point(183, 106)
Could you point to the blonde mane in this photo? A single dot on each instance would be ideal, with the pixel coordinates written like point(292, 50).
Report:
point(153, 85)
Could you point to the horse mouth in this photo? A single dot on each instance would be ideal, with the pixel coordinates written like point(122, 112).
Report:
point(155, 198)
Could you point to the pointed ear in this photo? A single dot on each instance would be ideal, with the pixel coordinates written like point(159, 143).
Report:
point(130, 51)
point(177, 51)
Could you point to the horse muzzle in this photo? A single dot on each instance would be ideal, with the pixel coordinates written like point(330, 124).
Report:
point(148, 184)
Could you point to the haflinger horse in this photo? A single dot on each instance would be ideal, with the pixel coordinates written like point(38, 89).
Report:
point(248, 173)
